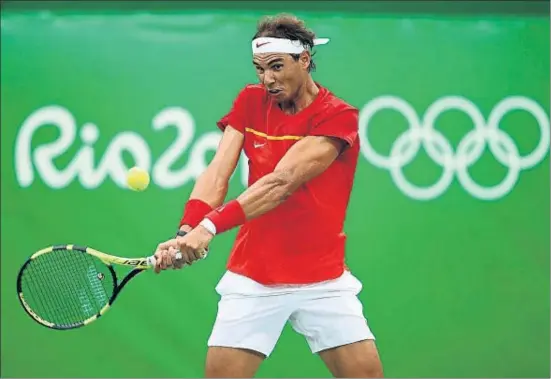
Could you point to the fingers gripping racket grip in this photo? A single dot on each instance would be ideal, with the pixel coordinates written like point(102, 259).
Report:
point(181, 233)
point(151, 261)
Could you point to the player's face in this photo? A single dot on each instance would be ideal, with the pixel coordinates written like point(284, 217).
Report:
point(281, 74)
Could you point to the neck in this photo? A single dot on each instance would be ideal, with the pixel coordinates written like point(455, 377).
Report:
point(304, 97)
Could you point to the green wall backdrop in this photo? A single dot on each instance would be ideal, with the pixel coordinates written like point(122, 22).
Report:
point(449, 219)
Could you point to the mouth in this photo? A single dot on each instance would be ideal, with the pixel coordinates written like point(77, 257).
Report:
point(274, 91)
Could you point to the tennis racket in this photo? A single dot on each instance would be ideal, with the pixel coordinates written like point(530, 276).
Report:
point(69, 286)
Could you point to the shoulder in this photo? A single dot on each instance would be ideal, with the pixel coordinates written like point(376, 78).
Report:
point(332, 106)
point(247, 100)
point(335, 118)
point(252, 92)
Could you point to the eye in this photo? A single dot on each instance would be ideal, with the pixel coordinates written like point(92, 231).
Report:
point(259, 70)
point(277, 67)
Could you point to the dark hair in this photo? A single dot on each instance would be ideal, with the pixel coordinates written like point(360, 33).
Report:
point(287, 26)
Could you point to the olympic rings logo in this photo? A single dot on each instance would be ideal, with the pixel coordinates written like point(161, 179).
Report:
point(421, 133)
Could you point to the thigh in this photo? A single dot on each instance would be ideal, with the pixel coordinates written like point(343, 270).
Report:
point(355, 360)
point(253, 323)
point(227, 362)
point(330, 320)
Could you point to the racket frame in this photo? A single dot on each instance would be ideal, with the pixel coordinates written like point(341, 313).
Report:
point(139, 265)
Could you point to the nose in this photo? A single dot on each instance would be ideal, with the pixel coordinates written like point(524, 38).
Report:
point(268, 79)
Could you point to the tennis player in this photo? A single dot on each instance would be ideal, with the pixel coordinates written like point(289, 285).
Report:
point(288, 260)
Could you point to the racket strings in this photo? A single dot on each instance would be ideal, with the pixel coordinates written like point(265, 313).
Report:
point(62, 303)
point(70, 300)
point(41, 281)
point(67, 287)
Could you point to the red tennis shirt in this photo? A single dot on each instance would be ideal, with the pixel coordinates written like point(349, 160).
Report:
point(302, 240)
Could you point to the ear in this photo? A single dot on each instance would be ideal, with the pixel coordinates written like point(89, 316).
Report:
point(304, 60)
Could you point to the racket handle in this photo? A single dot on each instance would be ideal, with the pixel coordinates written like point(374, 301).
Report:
point(151, 261)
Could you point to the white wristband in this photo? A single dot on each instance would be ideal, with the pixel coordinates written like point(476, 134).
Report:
point(209, 225)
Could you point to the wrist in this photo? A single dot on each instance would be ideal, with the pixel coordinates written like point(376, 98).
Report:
point(186, 228)
point(224, 218)
point(209, 226)
point(194, 211)
point(181, 232)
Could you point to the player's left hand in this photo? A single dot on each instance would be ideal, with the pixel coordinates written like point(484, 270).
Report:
point(191, 246)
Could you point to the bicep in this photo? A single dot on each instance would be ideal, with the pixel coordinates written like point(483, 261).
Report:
point(227, 155)
point(308, 158)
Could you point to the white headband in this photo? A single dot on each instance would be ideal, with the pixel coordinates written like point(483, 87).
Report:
point(281, 45)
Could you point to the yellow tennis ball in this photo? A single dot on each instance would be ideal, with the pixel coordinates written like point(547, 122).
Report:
point(137, 179)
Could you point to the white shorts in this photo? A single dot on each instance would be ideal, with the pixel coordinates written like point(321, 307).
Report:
point(252, 316)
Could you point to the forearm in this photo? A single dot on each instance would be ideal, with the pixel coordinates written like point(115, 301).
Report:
point(264, 195)
point(209, 192)
point(210, 188)
point(307, 160)
point(304, 161)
